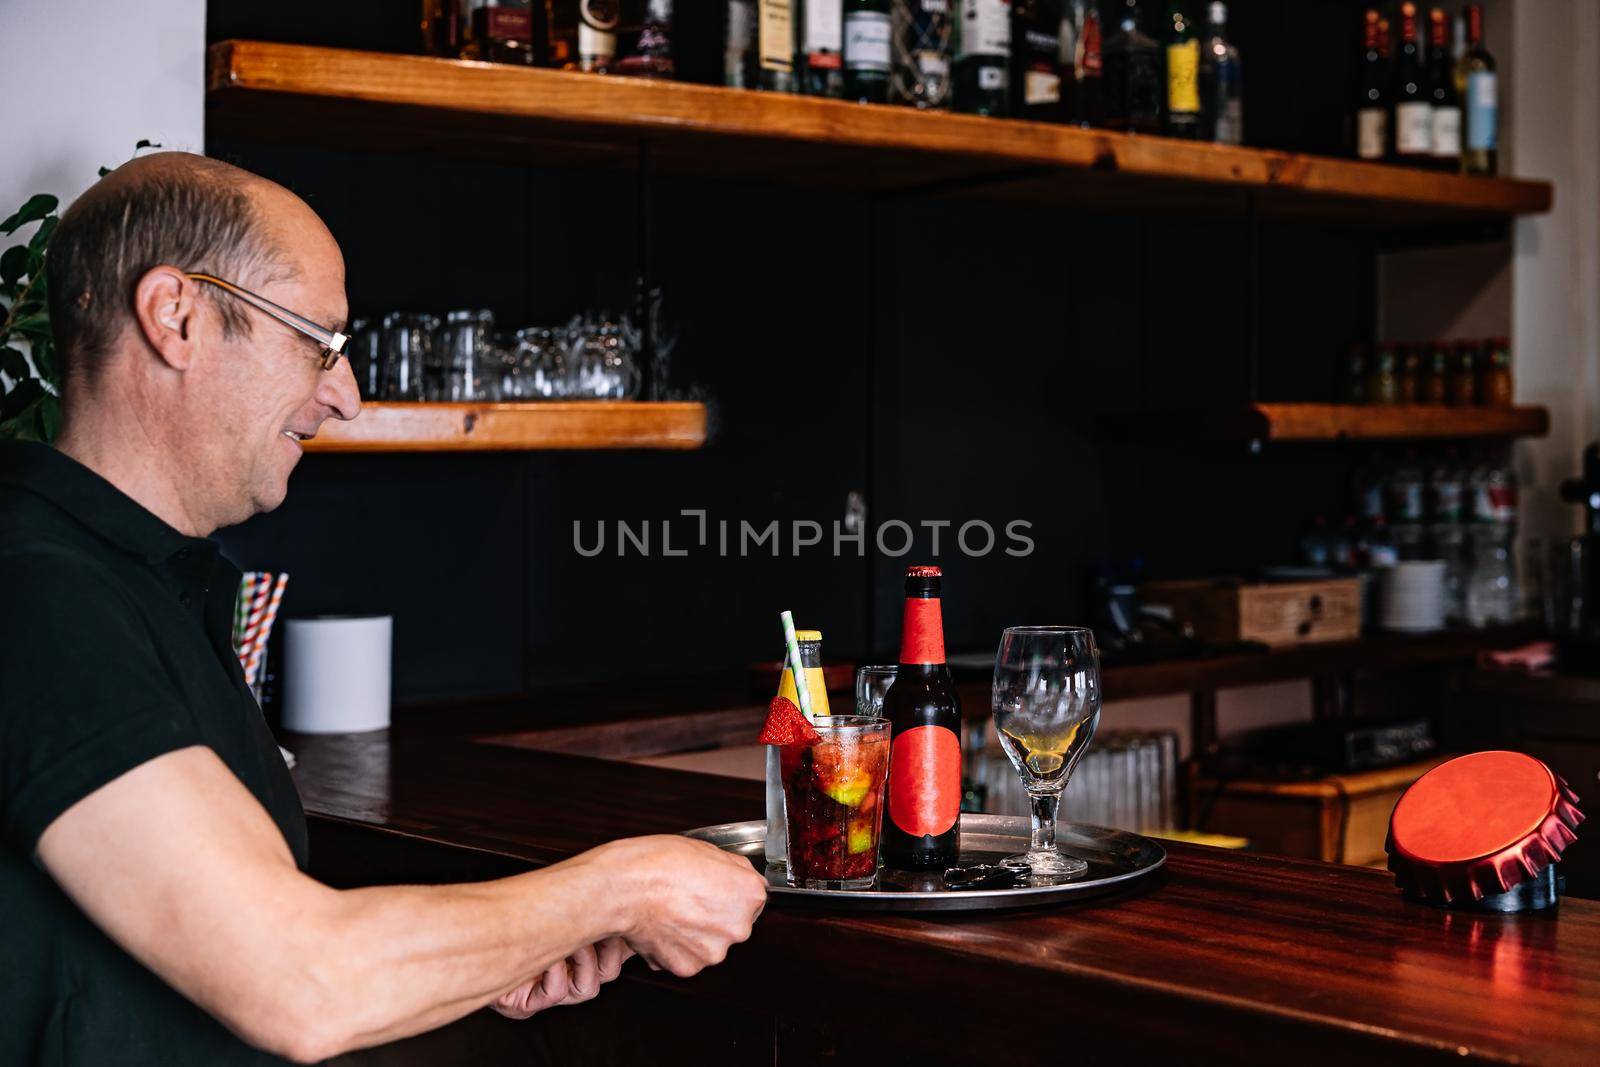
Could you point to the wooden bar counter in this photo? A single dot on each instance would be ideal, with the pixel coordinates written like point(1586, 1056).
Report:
point(1224, 955)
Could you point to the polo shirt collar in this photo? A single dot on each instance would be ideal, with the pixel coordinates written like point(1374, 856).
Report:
point(93, 501)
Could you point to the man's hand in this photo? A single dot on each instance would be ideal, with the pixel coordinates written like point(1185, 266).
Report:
point(686, 901)
point(572, 981)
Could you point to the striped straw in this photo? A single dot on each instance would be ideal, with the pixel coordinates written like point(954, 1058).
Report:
point(252, 622)
point(264, 634)
point(241, 608)
point(799, 670)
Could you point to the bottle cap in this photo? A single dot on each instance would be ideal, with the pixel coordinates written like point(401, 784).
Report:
point(1478, 826)
point(808, 635)
point(923, 572)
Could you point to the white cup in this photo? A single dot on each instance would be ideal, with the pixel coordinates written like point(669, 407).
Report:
point(336, 673)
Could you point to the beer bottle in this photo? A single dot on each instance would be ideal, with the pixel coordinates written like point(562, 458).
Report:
point(922, 832)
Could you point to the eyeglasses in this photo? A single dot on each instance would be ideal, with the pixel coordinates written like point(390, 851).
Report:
point(332, 341)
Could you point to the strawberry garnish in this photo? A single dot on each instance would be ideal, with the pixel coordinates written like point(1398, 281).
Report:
point(785, 725)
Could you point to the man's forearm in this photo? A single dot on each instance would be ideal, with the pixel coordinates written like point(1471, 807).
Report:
point(388, 962)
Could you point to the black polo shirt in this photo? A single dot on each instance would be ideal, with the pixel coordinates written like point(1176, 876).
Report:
point(115, 634)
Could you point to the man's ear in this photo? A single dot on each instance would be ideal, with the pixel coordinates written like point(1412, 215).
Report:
point(166, 305)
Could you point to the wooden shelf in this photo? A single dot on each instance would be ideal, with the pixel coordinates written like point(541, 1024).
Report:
point(414, 103)
point(1378, 652)
point(557, 425)
point(1330, 422)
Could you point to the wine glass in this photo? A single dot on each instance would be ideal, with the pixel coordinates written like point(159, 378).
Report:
point(1046, 708)
point(871, 685)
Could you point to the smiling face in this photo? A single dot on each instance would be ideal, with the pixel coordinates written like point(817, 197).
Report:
point(259, 394)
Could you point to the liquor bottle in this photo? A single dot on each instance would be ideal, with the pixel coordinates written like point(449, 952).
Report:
point(1481, 153)
point(739, 45)
point(1133, 83)
point(1372, 102)
point(1413, 105)
point(983, 56)
point(500, 32)
point(1067, 60)
point(1036, 60)
point(651, 54)
point(820, 58)
point(921, 42)
point(1183, 73)
point(583, 34)
point(866, 51)
point(1088, 70)
point(775, 45)
point(441, 28)
point(1221, 82)
point(922, 831)
point(1445, 137)
point(810, 642)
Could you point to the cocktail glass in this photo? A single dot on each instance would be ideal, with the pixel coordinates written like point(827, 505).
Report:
point(833, 801)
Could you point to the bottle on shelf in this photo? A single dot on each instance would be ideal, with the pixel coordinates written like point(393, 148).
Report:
point(820, 57)
point(650, 54)
point(921, 58)
point(1383, 377)
point(1372, 100)
point(1088, 67)
point(1464, 375)
point(1352, 385)
point(1480, 152)
point(921, 831)
point(867, 51)
point(1036, 60)
point(441, 28)
point(775, 46)
point(1413, 104)
point(1134, 87)
point(983, 57)
point(1435, 385)
point(1183, 71)
point(739, 69)
point(1408, 378)
point(1067, 59)
point(582, 34)
point(498, 32)
point(1221, 82)
point(1446, 130)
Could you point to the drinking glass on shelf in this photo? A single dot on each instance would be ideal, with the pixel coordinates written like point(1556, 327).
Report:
point(461, 350)
point(366, 357)
point(871, 685)
point(1046, 700)
point(407, 350)
point(542, 364)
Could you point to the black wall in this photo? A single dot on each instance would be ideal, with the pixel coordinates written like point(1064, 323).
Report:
point(947, 359)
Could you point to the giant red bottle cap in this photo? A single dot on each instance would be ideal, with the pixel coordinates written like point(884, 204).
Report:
point(1480, 825)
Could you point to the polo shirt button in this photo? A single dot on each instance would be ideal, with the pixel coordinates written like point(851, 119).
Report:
point(185, 599)
point(183, 553)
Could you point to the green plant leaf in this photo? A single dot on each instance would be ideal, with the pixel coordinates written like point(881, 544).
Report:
point(14, 364)
point(13, 263)
point(38, 206)
point(36, 324)
point(25, 393)
point(41, 237)
point(44, 361)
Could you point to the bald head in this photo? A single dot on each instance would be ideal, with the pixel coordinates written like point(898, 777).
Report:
point(172, 208)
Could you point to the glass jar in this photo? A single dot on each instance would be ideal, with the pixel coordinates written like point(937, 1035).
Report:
point(1494, 376)
point(462, 351)
point(1408, 375)
point(1383, 386)
point(407, 353)
point(1464, 375)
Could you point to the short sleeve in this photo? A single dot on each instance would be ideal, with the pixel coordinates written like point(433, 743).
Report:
point(84, 696)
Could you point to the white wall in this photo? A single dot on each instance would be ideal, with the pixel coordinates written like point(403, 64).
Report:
point(87, 79)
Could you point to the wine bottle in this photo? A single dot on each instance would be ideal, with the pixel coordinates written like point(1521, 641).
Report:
point(922, 831)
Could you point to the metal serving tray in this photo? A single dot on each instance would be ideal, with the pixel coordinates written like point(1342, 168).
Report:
point(1117, 859)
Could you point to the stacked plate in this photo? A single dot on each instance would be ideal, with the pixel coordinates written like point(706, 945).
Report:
point(1411, 596)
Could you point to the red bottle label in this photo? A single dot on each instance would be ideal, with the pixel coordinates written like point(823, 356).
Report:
point(922, 633)
point(925, 780)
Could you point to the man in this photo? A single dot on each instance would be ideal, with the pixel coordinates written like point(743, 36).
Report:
point(152, 877)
